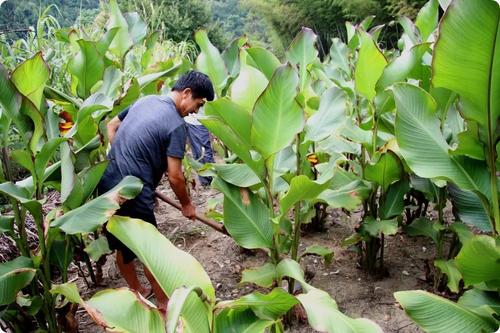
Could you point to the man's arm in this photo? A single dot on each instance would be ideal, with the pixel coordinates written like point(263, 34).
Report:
point(112, 127)
point(178, 184)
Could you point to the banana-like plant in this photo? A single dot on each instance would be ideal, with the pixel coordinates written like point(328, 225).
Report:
point(471, 166)
point(192, 303)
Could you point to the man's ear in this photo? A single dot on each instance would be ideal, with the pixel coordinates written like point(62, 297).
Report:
point(187, 92)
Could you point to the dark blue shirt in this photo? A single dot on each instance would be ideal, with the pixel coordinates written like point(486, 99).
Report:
point(151, 129)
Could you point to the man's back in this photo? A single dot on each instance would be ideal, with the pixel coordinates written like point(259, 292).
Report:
point(150, 130)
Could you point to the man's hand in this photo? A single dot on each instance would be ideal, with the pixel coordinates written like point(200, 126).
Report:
point(189, 211)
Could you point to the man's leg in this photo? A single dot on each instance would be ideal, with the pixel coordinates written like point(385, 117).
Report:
point(161, 298)
point(129, 273)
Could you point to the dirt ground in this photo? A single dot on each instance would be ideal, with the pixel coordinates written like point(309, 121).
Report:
point(357, 294)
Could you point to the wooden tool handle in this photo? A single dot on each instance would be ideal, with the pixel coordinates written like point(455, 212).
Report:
point(203, 219)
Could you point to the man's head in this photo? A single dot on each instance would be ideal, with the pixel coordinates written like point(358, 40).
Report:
point(191, 91)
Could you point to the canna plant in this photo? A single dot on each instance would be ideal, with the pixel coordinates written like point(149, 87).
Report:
point(63, 150)
point(263, 129)
point(192, 306)
point(470, 168)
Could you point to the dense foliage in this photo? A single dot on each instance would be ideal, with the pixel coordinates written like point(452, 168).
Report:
point(402, 133)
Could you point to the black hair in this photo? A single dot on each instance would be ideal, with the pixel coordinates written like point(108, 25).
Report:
point(199, 83)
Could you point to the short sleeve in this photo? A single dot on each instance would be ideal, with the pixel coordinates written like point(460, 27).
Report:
point(123, 114)
point(177, 142)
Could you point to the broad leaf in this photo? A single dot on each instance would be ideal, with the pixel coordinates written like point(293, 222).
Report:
point(427, 19)
point(171, 267)
point(469, 35)
point(452, 273)
point(301, 188)
point(30, 78)
point(416, 122)
point(97, 248)
point(248, 86)
point(323, 315)
point(246, 218)
point(87, 66)
point(263, 276)
point(121, 42)
point(435, 314)
point(14, 275)
point(238, 174)
point(469, 208)
point(479, 261)
point(96, 212)
point(394, 204)
point(319, 251)
point(240, 321)
point(277, 117)
point(302, 52)
point(263, 60)
point(176, 305)
point(271, 306)
point(387, 170)
point(210, 62)
point(475, 298)
point(369, 67)
point(376, 227)
point(425, 227)
point(329, 117)
point(134, 314)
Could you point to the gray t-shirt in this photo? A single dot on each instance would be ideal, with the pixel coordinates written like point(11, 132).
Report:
point(151, 130)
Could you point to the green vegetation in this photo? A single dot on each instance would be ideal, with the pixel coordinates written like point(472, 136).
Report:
point(331, 122)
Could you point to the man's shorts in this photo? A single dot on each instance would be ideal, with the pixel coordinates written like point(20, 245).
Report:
point(129, 209)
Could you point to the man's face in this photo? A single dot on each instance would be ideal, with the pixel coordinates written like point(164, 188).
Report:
point(190, 104)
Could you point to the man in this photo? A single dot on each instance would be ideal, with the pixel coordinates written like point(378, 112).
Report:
point(148, 139)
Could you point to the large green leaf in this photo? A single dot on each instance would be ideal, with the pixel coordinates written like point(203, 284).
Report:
point(339, 54)
point(424, 227)
point(96, 212)
point(10, 99)
point(14, 275)
point(329, 117)
point(246, 218)
point(453, 275)
point(132, 315)
point(248, 86)
point(302, 52)
point(469, 208)
point(30, 78)
point(277, 117)
point(45, 155)
point(271, 306)
point(240, 321)
point(87, 66)
point(121, 42)
point(376, 227)
point(439, 315)
point(171, 267)
point(263, 276)
point(97, 248)
point(176, 304)
point(301, 188)
point(427, 19)
point(348, 196)
point(401, 68)
point(387, 170)
point(475, 298)
point(423, 146)
point(263, 60)
point(369, 67)
point(231, 123)
point(469, 35)
point(137, 28)
point(237, 174)
point(394, 204)
point(210, 62)
point(323, 315)
point(231, 56)
point(479, 261)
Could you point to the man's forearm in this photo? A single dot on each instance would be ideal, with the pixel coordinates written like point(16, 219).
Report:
point(178, 184)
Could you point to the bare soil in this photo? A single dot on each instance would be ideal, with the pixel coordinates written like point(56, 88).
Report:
point(356, 293)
